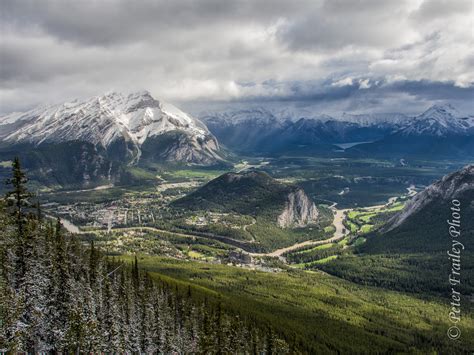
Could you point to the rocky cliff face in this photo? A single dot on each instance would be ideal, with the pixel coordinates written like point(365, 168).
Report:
point(449, 187)
point(189, 149)
point(299, 211)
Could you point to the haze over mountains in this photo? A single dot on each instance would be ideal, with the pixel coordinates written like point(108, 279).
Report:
point(393, 133)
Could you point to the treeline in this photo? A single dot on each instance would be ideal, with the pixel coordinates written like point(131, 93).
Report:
point(58, 296)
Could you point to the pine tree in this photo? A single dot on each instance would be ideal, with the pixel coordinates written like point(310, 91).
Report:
point(60, 299)
point(19, 195)
point(17, 199)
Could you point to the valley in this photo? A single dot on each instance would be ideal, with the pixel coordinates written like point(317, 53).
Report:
point(116, 213)
point(237, 177)
point(308, 239)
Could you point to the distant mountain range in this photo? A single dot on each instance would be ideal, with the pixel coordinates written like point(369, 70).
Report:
point(439, 130)
point(93, 139)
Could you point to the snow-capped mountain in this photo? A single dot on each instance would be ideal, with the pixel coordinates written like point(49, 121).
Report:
point(441, 132)
point(100, 140)
point(243, 130)
point(376, 119)
point(259, 129)
point(438, 120)
point(114, 118)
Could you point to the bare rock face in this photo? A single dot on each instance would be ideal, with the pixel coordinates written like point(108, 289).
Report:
point(189, 149)
point(299, 211)
point(449, 187)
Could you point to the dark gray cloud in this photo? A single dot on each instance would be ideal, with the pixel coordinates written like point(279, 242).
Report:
point(338, 24)
point(358, 95)
point(346, 54)
point(115, 22)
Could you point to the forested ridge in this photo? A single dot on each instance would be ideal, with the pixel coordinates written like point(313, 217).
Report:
point(60, 296)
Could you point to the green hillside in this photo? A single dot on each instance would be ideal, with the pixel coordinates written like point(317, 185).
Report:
point(253, 193)
point(413, 256)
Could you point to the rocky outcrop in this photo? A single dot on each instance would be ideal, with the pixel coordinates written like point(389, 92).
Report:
point(189, 149)
point(299, 211)
point(449, 187)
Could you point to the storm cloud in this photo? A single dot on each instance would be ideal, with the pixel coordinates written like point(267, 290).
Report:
point(334, 55)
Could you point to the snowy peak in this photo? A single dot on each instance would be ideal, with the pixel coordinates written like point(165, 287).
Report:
point(372, 119)
point(438, 120)
point(440, 112)
point(107, 119)
point(100, 120)
point(254, 116)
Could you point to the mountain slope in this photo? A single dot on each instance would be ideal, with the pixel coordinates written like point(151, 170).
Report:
point(422, 225)
point(106, 120)
point(458, 185)
point(56, 295)
point(244, 130)
point(114, 130)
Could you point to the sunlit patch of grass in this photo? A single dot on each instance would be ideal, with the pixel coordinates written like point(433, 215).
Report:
point(366, 217)
point(195, 173)
point(398, 206)
point(352, 227)
point(359, 241)
point(343, 241)
point(195, 255)
point(325, 260)
point(366, 228)
point(329, 229)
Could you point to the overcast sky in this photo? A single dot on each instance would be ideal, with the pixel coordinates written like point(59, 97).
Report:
point(333, 56)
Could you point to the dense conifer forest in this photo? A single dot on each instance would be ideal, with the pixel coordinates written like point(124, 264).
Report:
point(59, 296)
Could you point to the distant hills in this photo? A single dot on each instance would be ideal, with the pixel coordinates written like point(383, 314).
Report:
point(100, 139)
point(260, 130)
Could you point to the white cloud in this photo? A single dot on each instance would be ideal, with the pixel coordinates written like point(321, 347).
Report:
point(343, 82)
point(217, 50)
